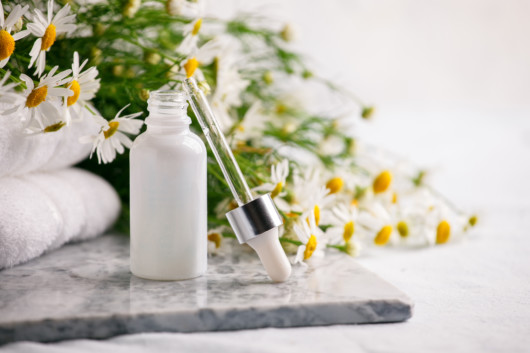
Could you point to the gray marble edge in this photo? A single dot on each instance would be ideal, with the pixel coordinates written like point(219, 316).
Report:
point(208, 319)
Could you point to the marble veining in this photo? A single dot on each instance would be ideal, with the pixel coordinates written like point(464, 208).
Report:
point(85, 290)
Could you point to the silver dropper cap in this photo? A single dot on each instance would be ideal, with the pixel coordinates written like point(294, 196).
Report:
point(254, 218)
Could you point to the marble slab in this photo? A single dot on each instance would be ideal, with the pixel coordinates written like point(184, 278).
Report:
point(86, 291)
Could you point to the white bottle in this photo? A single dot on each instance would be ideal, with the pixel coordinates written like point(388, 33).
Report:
point(168, 194)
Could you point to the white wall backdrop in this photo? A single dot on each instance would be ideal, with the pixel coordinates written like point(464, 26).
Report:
point(441, 51)
point(441, 73)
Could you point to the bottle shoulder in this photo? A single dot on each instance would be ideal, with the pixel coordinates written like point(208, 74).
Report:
point(181, 141)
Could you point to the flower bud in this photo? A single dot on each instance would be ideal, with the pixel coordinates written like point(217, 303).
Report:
point(288, 33)
point(95, 54)
point(117, 70)
point(152, 58)
point(268, 78)
point(131, 8)
point(17, 27)
point(144, 94)
point(367, 112)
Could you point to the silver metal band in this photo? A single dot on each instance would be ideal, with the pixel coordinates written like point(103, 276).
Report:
point(254, 218)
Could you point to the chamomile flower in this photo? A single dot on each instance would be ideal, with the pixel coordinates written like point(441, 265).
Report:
point(317, 201)
point(112, 137)
point(215, 239)
point(276, 185)
point(83, 84)
point(36, 105)
point(191, 37)
point(312, 238)
point(53, 120)
point(252, 125)
point(376, 223)
point(46, 30)
point(7, 40)
point(345, 217)
point(230, 84)
point(279, 173)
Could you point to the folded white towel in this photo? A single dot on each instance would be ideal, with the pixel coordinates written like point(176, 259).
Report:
point(102, 203)
point(21, 153)
point(42, 211)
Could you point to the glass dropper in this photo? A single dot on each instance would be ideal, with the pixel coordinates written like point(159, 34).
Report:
point(256, 221)
point(216, 139)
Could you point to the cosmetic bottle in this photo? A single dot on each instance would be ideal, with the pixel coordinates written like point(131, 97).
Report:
point(168, 194)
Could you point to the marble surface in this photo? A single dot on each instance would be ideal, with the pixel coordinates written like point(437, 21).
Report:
point(86, 291)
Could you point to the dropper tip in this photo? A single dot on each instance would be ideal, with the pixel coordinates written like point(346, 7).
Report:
point(271, 254)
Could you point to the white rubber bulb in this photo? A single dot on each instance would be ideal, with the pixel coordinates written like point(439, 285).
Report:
point(271, 254)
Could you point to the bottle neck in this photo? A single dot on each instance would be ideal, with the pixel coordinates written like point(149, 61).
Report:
point(167, 113)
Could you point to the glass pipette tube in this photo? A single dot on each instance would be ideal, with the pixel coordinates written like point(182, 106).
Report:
point(216, 139)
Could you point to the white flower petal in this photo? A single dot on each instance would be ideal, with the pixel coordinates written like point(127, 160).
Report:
point(62, 13)
point(36, 29)
point(68, 28)
point(60, 92)
point(28, 81)
point(11, 19)
point(41, 63)
point(21, 34)
point(1, 15)
point(130, 126)
point(64, 20)
point(50, 10)
point(35, 52)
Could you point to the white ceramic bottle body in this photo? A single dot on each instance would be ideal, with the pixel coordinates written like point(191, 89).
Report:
point(168, 203)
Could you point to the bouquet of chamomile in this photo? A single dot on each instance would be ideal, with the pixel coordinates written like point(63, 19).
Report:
point(291, 131)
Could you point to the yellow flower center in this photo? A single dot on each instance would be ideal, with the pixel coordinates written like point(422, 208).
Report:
point(473, 220)
point(334, 185)
point(443, 232)
point(383, 236)
point(382, 182)
point(394, 197)
point(113, 127)
point(403, 229)
point(49, 37)
point(36, 97)
point(277, 189)
point(280, 108)
point(54, 127)
point(76, 88)
point(190, 66)
point(196, 27)
point(349, 228)
point(7, 44)
point(310, 247)
point(215, 238)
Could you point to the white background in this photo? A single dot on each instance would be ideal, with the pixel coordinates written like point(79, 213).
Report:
point(461, 67)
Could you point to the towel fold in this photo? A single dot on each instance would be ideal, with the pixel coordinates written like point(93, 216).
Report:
point(42, 211)
point(21, 153)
